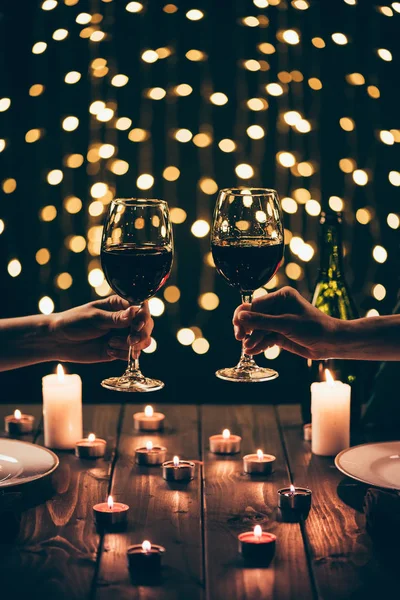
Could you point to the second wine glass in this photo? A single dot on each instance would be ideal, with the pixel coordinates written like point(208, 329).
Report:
point(247, 247)
point(136, 256)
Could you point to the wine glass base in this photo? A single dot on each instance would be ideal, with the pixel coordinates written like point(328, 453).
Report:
point(132, 384)
point(247, 375)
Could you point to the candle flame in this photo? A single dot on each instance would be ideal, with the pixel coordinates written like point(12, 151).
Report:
point(292, 488)
point(260, 455)
point(149, 445)
point(91, 437)
point(17, 414)
point(328, 377)
point(148, 411)
point(110, 502)
point(60, 373)
point(258, 532)
point(176, 461)
point(146, 546)
point(226, 434)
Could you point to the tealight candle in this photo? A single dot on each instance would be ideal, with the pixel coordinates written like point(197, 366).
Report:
point(150, 455)
point(110, 514)
point(148, 420)
point(178, 470)
point(295, 499)
point(225, 443)
point(257, 546)
point(19, 423)
point(90, 447)
point(145, 559)
point(330, 413)
point(258, 464)
point(62, 410)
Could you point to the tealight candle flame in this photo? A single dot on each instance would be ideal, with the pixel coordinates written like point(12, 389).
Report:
point(17, 414)
point(146, 546)
point(91, 437)
point(149, 445)
point(292, 488)
point(328, 377)
point(110, 502)
point(176, 461)
point(258, 532)
point(260, 455)
point(148, 411)
point(60, 373)
point(226, 434)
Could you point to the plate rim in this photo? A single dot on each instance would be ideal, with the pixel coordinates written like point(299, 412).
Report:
point(15, 482)
point(341, 469)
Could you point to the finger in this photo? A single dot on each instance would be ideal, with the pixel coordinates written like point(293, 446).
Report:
point(115, 354)
point(118, 343)
point(239, 332)
point(238, 311)
point(141, 339)
point(267, 341)
point(116, 319)
point(285, 300)
point(251, 321)
point(111, 303)
point(141, 318)
point(252, 340)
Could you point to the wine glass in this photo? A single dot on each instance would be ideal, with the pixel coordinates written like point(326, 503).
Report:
point(247, 247)
point(136, 256)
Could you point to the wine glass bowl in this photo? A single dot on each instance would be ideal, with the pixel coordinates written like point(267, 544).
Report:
point(136, 257)
point(247, 242)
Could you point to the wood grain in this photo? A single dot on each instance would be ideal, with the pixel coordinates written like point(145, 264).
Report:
point(343, 559)
point(165, 514)
point(55, 552)
point(235, 503)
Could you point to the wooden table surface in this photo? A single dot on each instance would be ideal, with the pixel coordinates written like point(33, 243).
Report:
point(57, 554)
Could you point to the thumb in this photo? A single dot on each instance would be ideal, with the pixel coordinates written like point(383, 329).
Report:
point(251, 321)
point(118, 319)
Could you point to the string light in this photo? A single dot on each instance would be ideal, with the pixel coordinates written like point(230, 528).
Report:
point(134, 7)
point(244, 171)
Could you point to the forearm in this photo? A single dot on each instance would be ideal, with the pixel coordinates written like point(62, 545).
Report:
point(26, 341)
point(374, 338)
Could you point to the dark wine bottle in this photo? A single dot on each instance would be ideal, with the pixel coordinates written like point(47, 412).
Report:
point(332, 297)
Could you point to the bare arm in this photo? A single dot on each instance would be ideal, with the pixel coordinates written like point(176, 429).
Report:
point(285, 318)
point(95, 332)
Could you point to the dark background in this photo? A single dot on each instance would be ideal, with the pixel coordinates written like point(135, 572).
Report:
point(226, 43)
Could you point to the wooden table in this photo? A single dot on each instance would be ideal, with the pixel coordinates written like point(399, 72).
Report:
point(58, 554)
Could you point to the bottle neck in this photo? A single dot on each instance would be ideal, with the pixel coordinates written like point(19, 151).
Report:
point(331, 249)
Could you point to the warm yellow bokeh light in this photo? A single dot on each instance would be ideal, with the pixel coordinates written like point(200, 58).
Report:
point(209, 301)
point(119, 80)
point(386, 137)
point(291, 36)
point(119, 167)
point(202, 140)
point(76, 243)
point(39, 47)
point(318, 42)
point(183, 89)
point(64, 281)
point(266, 48)
point(363, 216)
point(200, 346)
point(195, 55)
point(373, 91)
point(347, 124)
point(340, 39)
point(60, 34)
point(123, 123)
point(48, 213)
point(95, 277)
point(360, 177)
point(55, 177)
point(156, 307)
point(274, 89)
point(227, 145)
point(72, 77)
point(152, 347)
point(255, 132)
point(150, 56)
point(272, 352)
point(106, 150)
point(294, 271)
point(9, 185)
point(134, 7)
point(72, 204)
point(105, 114)
point(218, 98)
point(42, 256)
point(315, 83)
point(200, 228)
point(393, 220)
point(194, 14)
point(99, 189)
point(49, 4)
point(185, 336)
point(313, 208)
point(336, 203)
point(183, 135)
point(257, 104)
point(171, 173)
point(70, 123)
point(46, 305)
point(145, 181)
point(208, 186)
point(355, 79)
point(5, 104)
point(14, 267)
point(385, 54)
point(286, 159)
point(244, 171)
point(138, 135)
point(36, 90)
point(172, 294)
point(347, 165)
point(394, 178)
point(96, 208)
point(379, 291)
point(178, 215)
point(289, 205)
point(380, 254)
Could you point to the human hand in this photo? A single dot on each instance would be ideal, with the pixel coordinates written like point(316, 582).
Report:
point(101, 331)
point(286, 319)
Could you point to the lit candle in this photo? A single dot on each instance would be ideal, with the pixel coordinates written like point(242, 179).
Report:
point(150, 455)
point(258, 464)
point(62, 410)
point(148, 420)
point(90, 447)
point(178, 470)
point(257, 546)
point(296, 500)
point(330, 411)
point(225, 443)
point(144, 560)
point(110, 514)
point(19, 423)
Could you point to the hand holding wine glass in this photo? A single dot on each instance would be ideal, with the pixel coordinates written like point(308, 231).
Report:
point(136, 256)
point(247, 246)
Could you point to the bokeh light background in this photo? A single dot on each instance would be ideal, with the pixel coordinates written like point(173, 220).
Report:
point(113, 98)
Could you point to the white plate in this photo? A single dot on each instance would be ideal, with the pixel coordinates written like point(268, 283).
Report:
point(21, 462)
point(375, 464)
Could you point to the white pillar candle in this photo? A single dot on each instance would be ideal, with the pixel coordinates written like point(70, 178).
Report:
point(62, 410)
point(330, 412)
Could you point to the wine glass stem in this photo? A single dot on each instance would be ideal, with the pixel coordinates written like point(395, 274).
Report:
point(133, 359)
point(245, 359)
